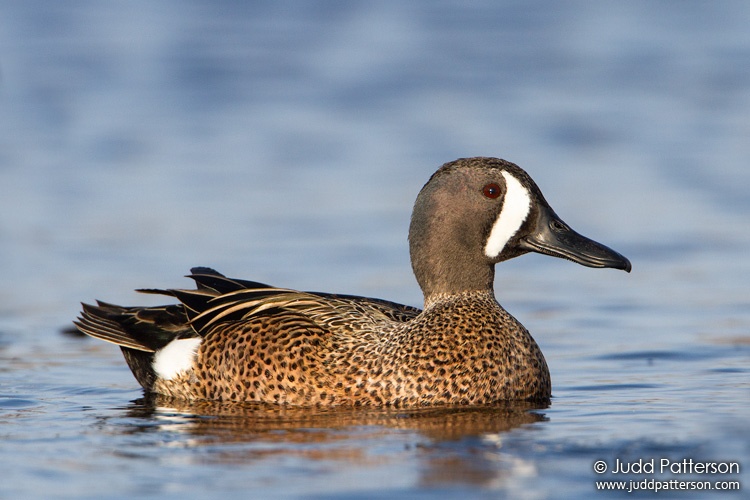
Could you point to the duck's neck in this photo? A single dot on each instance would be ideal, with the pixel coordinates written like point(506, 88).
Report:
point(446, 266)
point(446, 243)
point(451, 277)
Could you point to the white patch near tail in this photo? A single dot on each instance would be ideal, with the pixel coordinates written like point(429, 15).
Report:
point(516, 206)
point(176, 357)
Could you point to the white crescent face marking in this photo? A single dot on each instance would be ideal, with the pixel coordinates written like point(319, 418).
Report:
point(516, 206)
point(176, 357)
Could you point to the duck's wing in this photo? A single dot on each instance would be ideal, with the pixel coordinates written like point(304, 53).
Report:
point(219, 299)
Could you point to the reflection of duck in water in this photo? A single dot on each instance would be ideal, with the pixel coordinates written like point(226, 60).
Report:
point(236, 340)
point(437, 445)
point(243, 422)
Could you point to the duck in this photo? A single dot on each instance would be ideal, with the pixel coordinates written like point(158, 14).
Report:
point(234, 340)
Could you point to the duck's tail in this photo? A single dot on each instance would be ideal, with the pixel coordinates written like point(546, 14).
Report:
point(139, 331)
point(142, 331)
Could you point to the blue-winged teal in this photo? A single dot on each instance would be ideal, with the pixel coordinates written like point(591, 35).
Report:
point(237, 340)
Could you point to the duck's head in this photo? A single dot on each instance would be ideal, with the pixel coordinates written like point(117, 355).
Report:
point(476, 212)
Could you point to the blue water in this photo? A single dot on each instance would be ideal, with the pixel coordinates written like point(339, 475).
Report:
point(286, 143)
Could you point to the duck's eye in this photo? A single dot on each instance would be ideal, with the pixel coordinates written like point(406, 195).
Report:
point(491, 190)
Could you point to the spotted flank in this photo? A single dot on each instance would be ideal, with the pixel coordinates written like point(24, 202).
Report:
point(238, 340)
